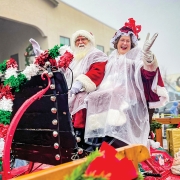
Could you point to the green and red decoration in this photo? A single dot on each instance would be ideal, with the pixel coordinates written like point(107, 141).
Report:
point(60, 57)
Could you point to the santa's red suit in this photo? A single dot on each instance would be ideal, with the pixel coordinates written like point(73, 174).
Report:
point(95, 75)
point(93, 78)
point(89, 71)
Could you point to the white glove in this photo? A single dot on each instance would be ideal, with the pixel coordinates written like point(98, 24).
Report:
point(150, 62)
point(36, 47)
point(76, 88)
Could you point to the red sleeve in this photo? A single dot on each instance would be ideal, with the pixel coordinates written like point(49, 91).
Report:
point(96, 72)
point(160, 80)
point(147, 79)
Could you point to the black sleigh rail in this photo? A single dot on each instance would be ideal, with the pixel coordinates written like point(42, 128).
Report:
point(45, 133)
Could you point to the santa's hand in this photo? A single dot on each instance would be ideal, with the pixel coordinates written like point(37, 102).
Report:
point(36, 47)
point(76, 88)
point(147, 54)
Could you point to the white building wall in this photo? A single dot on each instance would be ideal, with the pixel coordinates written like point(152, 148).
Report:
point(21, 20)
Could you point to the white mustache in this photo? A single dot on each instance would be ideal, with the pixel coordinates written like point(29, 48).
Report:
point(81, 45)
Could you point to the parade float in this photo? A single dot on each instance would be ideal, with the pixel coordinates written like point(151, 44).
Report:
point(36, 127)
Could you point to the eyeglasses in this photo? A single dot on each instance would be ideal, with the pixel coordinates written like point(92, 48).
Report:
point(81, 39)
point(125, 41)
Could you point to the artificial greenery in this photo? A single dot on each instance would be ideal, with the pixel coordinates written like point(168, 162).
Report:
point(0, 164)
point(140, 176)
point(16, 82)
point(78, 173)
point(3, 66)
point(94, 178)
point(54, 52)
point(5, 117)
point(27, 54)
point(155, 125)
point(172, 126)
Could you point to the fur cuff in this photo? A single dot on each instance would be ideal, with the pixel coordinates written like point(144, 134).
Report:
point(164, 98)
point(88, 84)
point(157, 104)
point(161, 91)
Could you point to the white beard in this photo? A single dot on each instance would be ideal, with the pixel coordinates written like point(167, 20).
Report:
point(80, 52)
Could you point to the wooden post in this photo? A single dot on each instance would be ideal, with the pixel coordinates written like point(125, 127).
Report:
point(167, 120)
point(159, 136)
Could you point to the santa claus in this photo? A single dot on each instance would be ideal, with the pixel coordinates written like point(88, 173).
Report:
point(88, 68)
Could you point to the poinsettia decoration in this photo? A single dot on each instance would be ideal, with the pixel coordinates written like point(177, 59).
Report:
point(42, 58)
point(60, 57)
point(104, 165)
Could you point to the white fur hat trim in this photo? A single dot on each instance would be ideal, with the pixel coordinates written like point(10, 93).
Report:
point(84, 33)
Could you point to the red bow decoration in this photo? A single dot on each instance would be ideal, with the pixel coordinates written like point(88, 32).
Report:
point(131, 24)
point(42, 58)
point(65, 60)
point(11, 63)
point(111, 167)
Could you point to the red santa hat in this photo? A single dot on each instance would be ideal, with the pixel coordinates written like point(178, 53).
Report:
point(84, 33)
point(126, 30)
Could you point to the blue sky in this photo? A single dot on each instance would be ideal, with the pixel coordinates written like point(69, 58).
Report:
point(161, 16)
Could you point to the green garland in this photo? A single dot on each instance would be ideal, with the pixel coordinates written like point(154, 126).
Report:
point(16, 82)
point(27, 55)
point(5, 117)
point(54, 52)
point(0, 164)
point(3, 66)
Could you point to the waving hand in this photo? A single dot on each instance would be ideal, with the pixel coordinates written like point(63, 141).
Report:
point(150, 62)
point(149, 42)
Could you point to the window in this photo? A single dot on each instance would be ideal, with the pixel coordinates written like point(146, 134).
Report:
point(64, 41)
point(110, 51)
point(100, 48)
